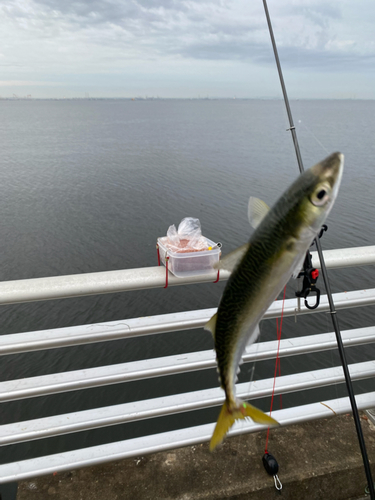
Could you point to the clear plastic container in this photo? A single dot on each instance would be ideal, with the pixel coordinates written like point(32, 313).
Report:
point(190, 263)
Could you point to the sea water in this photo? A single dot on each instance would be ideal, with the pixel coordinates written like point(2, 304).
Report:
point(89, 185)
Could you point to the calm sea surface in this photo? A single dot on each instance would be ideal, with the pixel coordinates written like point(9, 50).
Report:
point(88, 186)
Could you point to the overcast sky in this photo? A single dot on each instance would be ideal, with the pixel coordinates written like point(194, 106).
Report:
point(186, 48)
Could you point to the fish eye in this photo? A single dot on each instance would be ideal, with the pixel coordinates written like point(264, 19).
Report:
point(320, 196)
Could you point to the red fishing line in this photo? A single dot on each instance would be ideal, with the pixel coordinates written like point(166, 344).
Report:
point(158, 253)
point(166, 271)
point(277, 363)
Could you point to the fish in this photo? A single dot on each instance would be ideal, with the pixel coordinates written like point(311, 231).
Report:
point(259, 271)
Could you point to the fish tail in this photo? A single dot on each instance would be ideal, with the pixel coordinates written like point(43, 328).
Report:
point(229, 415)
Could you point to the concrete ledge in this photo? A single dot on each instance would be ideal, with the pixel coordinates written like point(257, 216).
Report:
point(318, 460)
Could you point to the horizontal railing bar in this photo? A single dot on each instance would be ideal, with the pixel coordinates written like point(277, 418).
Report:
point(59, 287)
point(120, 450)
point(343, 300)
point(346, 257)
point(169, 365)
point(158, 407)
point(308, 344)
point(101, 332)
point(114, 330)
point(78, 285)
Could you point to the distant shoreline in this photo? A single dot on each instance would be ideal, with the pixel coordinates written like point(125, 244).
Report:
point(178, 99)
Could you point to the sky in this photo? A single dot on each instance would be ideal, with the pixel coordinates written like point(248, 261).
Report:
point(186, 48)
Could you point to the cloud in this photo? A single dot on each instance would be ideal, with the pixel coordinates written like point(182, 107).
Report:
point(195, 29)
point(69, 39)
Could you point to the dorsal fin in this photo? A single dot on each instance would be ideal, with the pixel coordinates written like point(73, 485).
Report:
point(256, 211)
point(230, 261)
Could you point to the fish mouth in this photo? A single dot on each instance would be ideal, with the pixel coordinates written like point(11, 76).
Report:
point(331, 169)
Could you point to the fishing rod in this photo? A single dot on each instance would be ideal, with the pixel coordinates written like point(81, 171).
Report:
point(333, 313)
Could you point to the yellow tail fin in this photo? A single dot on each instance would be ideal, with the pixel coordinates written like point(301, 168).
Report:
point(228, 416)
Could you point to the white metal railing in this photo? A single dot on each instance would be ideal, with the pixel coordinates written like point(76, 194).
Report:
point(60, 287)
point(170, 365)
point(168, 405)
point(136, 327)
point(96, 455)
point(114, 281)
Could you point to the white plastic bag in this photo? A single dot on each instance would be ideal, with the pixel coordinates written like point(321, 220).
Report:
point(187, 238)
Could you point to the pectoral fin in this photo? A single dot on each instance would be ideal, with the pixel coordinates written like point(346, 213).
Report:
point(230, 261)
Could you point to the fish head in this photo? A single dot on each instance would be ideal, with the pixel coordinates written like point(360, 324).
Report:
point(318, 188)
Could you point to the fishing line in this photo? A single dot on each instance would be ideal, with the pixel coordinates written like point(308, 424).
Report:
point(252, 370)
point(327, 284)
point(312, 133)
